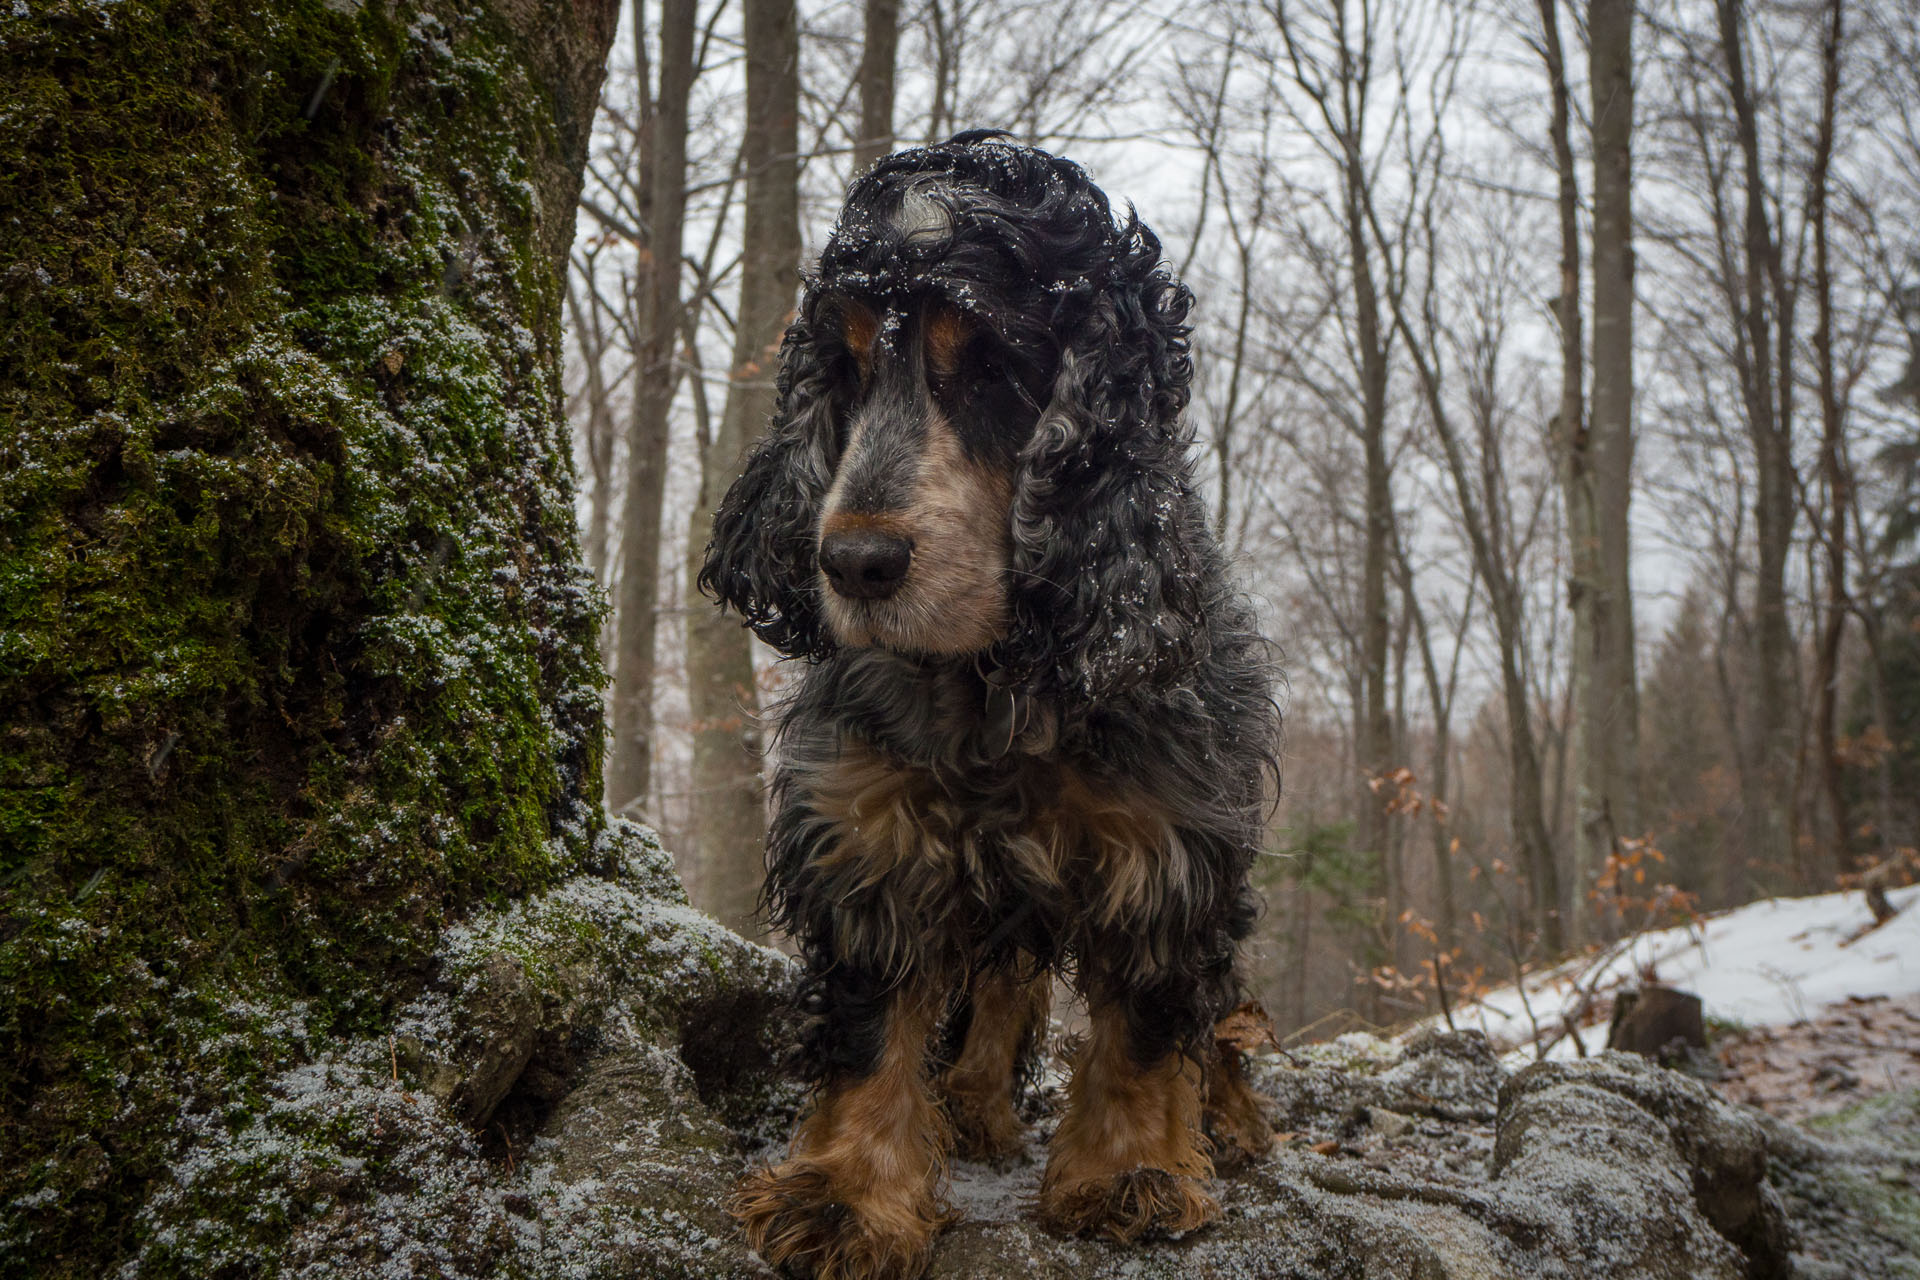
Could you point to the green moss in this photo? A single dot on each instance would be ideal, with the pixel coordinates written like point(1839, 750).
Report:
point(296, 664)
point(343, 1155)
point(1879, 1200)
point(1718, 1028)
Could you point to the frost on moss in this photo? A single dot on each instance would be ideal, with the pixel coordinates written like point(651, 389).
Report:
point(474, 1137)
point(1852, 1186)
point(296, 658)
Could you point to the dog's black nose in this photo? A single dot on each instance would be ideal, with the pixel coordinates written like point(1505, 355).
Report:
point(865, 564)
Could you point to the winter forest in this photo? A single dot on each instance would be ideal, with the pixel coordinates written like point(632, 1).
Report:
point(1557, 390)
point(385, 805)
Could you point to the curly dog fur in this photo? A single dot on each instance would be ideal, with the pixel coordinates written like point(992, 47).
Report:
point(1035, 730)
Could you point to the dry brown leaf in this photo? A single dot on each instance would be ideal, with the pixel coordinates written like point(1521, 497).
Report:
point(1247, 1029)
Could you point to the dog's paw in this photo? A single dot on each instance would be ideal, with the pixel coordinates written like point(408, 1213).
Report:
point(986, 1129)
point(795, 1217)
point(1129, 1206)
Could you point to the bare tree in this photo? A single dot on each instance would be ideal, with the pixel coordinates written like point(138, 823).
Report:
point(1601, 467)
point(1498, 529)
point(876, 79)
point(1440, 703)
point(1326, 55)
point(728, 826)
point(664, 129)
point(1573, 444)
point(1766, 313)
point(595, 344)
point(1833, 469)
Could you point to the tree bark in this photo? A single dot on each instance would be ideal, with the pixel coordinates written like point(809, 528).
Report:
point(878, 52)
point(590, 335)
point(1766, 312)
point(1610, 717)
point(1833, 467)
point(729, 818)
point(637, 623)
point(1592, 839)
point(1374, 737)
point(299, 657)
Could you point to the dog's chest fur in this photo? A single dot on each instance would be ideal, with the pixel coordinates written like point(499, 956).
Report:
point(932, 788)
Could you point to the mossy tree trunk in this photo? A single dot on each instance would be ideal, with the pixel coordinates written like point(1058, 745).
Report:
point(297, 659)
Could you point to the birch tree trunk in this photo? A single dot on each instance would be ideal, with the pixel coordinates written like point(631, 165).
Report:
point(728, 828)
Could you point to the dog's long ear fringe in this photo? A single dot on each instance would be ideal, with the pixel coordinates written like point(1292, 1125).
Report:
point(1109, 555)
point(761, 560)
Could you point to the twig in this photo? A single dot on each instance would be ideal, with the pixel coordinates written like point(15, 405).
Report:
point(1440, 990)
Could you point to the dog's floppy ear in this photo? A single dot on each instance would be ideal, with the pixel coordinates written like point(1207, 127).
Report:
point(761, 561)
point(1110, 546)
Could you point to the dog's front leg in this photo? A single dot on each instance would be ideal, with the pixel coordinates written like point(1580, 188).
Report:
point(1127, 1161)
point(858, 1196)
point(1007, 1011)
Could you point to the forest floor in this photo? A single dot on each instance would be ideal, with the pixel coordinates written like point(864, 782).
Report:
point(1859, 1049)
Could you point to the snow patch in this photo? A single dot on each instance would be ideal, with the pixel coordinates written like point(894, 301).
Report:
point(1769, 963)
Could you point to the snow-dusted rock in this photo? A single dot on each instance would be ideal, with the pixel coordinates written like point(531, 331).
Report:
point(649, 1042)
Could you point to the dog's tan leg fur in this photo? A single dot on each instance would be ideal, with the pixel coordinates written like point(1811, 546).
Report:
point(979, 1086)
point(1127, 1160)
point(1233, 1119)
point(858, 1197)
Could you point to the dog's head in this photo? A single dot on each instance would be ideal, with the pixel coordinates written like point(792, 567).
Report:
point(977, 445)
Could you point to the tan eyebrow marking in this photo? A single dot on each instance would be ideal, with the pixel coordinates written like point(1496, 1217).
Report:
point(859, 327)
point(947, 331)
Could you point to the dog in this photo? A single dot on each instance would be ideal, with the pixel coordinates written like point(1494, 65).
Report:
point(1035, 731)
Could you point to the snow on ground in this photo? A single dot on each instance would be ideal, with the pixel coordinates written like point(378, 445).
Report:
point(1769, 963)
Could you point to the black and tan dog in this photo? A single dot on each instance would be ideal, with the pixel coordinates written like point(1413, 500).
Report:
point(1036, 729)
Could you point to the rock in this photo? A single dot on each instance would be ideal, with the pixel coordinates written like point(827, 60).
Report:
point(650, 1044)
point(1452, 1075)
point(1388, 1124)
point(534, 1102)
point(503, 1023)
point(1654, 1174)
point(629, 1176)
point(1579, 1173)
